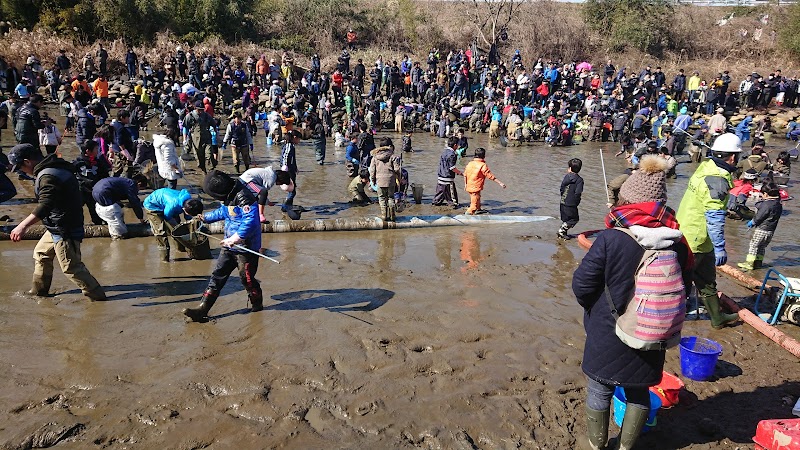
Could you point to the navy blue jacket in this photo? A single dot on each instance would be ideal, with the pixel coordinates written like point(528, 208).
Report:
point(612, 260)
point(111, 190)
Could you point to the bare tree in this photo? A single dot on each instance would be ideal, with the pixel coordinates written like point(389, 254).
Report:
point(492, 17)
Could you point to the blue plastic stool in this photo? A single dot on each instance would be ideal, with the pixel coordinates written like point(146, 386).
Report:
point(791, 288)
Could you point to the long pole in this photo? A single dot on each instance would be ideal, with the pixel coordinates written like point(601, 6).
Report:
point(241, 247)
point(603, 164)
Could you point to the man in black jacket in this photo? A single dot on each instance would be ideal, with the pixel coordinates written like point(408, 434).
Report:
point(61, 211)
point(29, 122)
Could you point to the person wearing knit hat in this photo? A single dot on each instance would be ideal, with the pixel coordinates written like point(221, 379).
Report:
point(648, 184)
point(609, 280)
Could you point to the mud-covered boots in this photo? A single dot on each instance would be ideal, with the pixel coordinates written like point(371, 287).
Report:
point(96, 295)
point(748, 264)
point(597, 428)
point(40, 287)
point(163, 254)
point(759, 262)
point(200, 313)
point(256, 299)
point(719, 319)
point(632, 425)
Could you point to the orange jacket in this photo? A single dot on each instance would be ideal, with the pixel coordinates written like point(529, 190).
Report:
point(100, 88)
point(475, 175)
point(262, 67)
point(76, 83)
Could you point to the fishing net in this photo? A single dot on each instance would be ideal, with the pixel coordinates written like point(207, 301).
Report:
point(187, 234)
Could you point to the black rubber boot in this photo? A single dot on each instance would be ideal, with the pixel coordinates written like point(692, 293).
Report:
point(256, 301)
point(200, 313)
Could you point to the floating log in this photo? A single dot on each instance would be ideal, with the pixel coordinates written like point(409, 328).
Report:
point(286, 226)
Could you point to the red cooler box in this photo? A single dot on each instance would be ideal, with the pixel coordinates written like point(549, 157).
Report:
point(781, 434)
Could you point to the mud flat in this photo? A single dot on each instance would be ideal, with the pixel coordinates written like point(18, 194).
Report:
point(451, 338)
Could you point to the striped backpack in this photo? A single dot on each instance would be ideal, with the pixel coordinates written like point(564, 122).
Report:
point(653, 317)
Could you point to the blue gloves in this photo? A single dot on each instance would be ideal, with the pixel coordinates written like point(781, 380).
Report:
point(224, 145)
point(750, 224)
point(721, 257)
point(374, 187)
point(251, 147)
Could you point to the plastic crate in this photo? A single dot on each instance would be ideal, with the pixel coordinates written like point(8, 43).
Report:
point(781, 434)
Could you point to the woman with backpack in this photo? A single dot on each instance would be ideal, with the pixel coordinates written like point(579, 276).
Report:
point(642, 260)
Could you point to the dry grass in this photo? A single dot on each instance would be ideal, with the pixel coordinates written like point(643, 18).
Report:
point(542, 28)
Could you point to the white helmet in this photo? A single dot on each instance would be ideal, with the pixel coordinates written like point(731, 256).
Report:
point(727, 143)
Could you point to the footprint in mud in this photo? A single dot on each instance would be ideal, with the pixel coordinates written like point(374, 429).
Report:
point(423, 349)
point(473, 338)
point(369, 408)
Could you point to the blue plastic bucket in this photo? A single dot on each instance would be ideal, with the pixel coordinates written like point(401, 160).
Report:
point(699, 357)
point(620, 406)
point(269, 140)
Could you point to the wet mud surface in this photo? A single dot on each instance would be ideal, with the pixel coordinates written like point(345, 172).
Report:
point(440, 338)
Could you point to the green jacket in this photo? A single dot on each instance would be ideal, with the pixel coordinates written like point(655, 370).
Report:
point(701, 214)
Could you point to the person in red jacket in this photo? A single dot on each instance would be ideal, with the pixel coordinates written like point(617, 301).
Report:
point(337, 80)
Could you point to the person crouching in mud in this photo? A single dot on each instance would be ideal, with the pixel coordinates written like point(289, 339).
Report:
point(239, 209)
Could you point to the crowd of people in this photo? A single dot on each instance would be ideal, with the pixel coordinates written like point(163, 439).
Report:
point(651, 114)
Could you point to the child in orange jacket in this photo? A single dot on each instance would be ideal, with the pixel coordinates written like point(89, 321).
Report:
point(475, 175)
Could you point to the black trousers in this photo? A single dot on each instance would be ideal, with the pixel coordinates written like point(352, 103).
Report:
point(446, 192)
point(248, 266)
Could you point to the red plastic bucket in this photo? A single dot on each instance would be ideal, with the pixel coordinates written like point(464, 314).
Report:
point(668, 389)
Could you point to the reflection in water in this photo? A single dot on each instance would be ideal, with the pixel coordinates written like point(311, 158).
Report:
point(565, 263)
point(444, 246)
point(470, 251)
point(391, 246)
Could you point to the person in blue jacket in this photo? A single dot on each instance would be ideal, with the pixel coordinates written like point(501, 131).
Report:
point(743, 128)
point(163, 208)
point(239, 210)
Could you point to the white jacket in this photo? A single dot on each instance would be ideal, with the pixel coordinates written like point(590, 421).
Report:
point(166, 157)
point(49, 135)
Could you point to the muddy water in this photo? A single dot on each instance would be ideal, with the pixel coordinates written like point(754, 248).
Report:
point(462, 337)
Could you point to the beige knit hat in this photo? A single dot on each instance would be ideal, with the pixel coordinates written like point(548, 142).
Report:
point(648, 183)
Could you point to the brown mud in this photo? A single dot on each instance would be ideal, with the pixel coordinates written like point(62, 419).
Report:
point(441, 338)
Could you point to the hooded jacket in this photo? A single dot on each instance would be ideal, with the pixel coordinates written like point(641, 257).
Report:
point(385, 167)
point(612, 261)
point(702, 209)
point(59, 196)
